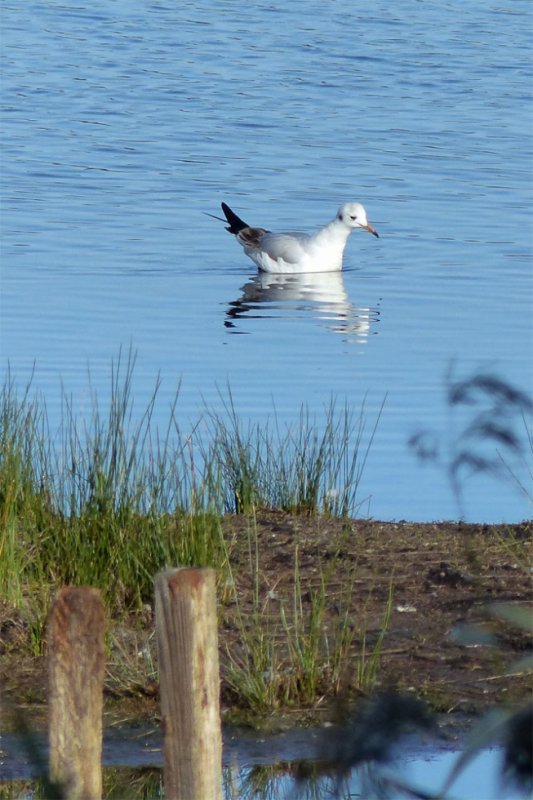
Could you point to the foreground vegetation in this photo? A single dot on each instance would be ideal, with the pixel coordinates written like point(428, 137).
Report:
point(108, 501)
point(314, 605)
point(306, 594)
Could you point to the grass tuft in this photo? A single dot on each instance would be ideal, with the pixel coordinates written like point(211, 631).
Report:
point(312, 467)
point(300, 648)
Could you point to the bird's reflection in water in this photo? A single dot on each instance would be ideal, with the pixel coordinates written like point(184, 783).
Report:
point(321, 296)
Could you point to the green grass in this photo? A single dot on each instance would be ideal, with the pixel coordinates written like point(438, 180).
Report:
point(109, 500)
point(312, 467)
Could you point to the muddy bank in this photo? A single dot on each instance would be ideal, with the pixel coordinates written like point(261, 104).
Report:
point(432, 578)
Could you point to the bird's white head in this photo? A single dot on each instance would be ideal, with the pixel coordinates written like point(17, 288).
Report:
point(353, 215)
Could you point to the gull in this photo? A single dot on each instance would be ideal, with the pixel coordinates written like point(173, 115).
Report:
point(294, 252)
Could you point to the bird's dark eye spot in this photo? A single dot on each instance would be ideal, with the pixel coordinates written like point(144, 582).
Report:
point(354, 218)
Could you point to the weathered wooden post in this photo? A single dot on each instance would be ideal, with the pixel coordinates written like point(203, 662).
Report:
point(76, 662)
point(186, 625)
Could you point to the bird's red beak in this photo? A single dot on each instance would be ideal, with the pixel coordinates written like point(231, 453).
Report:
point(370, 229)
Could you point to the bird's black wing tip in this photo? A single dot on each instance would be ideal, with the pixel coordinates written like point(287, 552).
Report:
point(235, 222)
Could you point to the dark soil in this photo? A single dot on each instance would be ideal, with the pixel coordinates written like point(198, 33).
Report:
point(441, 575)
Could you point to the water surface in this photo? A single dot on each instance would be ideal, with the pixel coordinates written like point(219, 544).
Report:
point(251, 760)
point(123, 122)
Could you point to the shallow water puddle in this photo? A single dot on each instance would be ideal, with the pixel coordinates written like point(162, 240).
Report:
point(280, 767)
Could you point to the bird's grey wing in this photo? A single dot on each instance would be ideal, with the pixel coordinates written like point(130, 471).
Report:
point(290, 247)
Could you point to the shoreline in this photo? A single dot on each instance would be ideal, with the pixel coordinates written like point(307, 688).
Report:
point(412, 584)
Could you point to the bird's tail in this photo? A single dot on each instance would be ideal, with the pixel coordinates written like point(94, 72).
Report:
point(236, 224)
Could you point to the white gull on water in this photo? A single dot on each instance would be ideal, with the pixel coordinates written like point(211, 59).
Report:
point(294, 252)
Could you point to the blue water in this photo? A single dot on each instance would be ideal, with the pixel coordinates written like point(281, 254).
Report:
point(123, 122)
point(428, 773)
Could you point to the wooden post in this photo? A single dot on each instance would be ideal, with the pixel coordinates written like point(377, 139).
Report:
point(76, 662)
point(186, 626)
